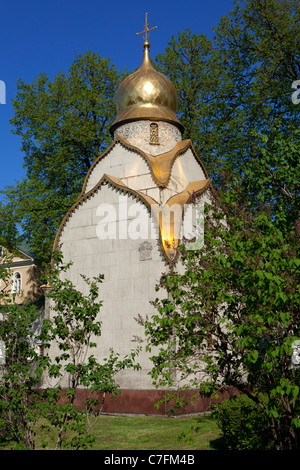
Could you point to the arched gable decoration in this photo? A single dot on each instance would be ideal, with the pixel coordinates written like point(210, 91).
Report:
point(160, 166)
point(169, 251)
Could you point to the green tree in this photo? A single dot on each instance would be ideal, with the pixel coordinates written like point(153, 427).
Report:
point(208, 99)
point(21, 367)
point(8, 230)
point(64, 125)
point(239, 81)
point(232, 319)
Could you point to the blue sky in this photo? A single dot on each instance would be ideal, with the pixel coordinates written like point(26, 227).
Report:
point(45, 36)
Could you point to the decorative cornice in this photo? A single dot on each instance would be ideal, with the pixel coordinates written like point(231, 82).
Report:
point(18, 264)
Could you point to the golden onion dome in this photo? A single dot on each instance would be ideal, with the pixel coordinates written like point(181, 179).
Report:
point(146, 94)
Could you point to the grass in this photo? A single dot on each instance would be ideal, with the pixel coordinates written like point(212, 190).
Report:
point(149, 433)
point(155, 433)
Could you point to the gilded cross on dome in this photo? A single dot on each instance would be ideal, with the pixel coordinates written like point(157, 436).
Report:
point(146, 29)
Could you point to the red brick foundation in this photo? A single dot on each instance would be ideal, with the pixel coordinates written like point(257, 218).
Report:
point(143, 402)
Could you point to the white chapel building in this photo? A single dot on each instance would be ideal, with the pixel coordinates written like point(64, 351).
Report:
point(113, 228)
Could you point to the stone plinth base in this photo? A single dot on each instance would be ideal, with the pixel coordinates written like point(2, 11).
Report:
point(142, 402)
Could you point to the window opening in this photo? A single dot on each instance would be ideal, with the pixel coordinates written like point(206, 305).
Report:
point(16, 283)
point(154, 134)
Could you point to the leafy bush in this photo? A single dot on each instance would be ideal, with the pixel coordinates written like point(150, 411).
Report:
point(244, 424)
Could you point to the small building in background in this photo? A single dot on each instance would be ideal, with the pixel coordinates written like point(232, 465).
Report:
point(25, 274)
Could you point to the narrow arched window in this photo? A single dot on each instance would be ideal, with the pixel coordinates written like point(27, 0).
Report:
point(16, 283)
point(154, 133)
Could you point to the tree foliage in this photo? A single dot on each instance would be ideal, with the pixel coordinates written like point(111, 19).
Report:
point(243, 424)
point(239, 81)
point(232, 318)
point(21, 367)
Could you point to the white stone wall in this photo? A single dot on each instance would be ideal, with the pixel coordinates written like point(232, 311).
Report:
point(185, 170)
point(121, 163)
point(129, 282)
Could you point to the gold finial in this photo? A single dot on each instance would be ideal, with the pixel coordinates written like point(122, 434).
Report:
point(146, 30)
